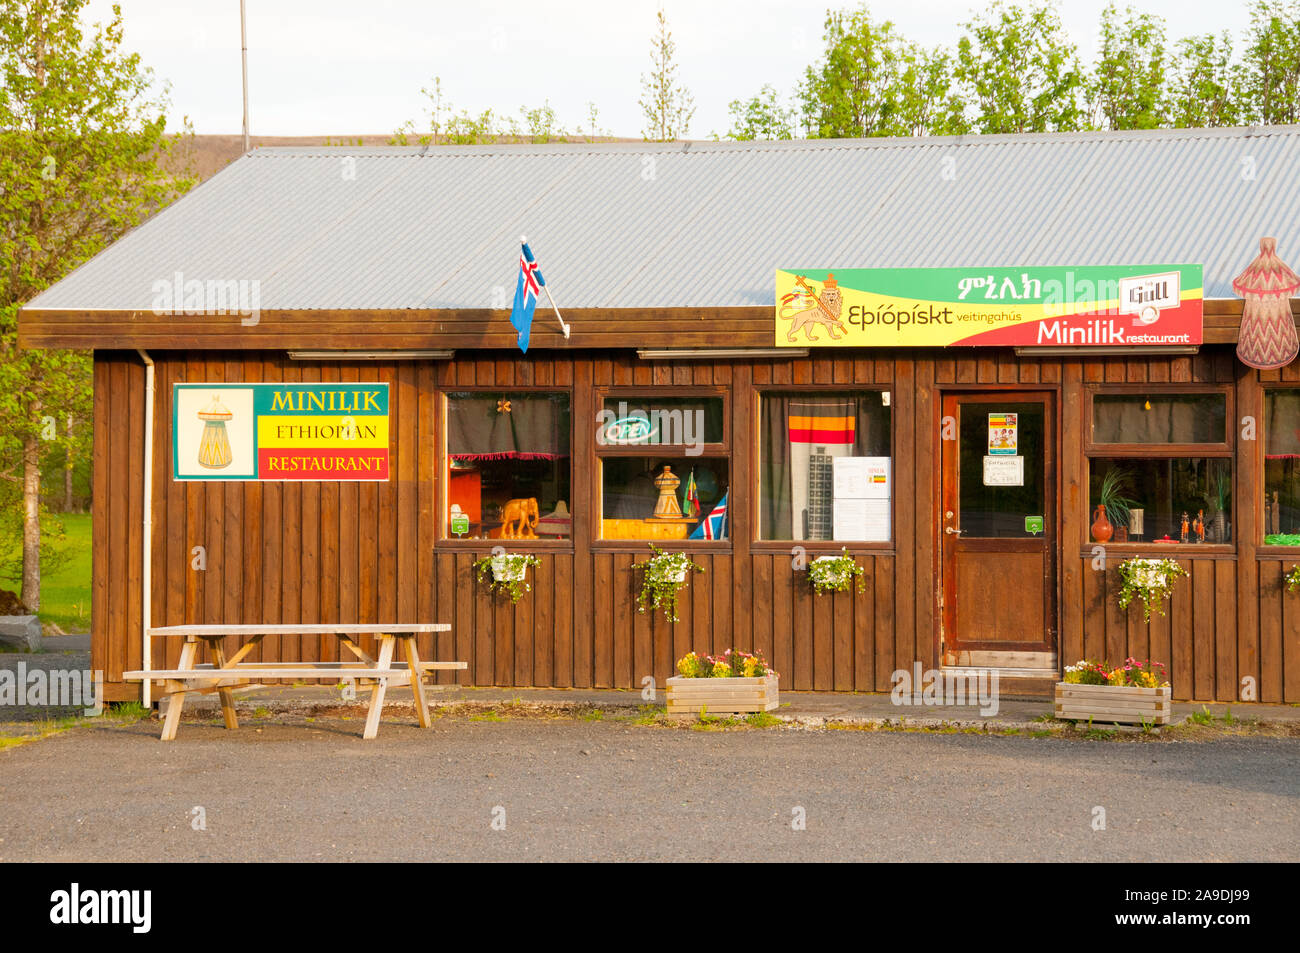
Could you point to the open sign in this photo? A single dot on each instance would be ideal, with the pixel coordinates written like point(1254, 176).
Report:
point(629, 430)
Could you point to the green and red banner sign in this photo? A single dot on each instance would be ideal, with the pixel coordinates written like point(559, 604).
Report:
point(280, 431)
point(1087, 306)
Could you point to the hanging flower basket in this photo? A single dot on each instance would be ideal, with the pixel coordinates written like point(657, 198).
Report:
point(835, 573)
point(509, 573)
point(1150, 580)
point(662, 577)
point(1292, 578)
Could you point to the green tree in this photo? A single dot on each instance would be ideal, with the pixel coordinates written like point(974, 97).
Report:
point(1020, 70)
point(445, 126)
point(1128, 87)
point(1205, 86)
point(931, 104)
point(1270, 68)
point(859, 87)
point(83, 144)
point(761, 117)
point(666, 104)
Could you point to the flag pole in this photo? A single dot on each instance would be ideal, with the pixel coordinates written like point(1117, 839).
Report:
point(523, 240)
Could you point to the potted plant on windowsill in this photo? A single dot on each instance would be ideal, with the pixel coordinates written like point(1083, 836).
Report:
point(1113, 504)
point(835, 573)
point(509, 573)
point(1135, 693)
point(662, 576)
point(733, 682)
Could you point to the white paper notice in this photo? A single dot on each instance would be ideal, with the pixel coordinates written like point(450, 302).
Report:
point(1004, 471)
point(861, 520)
point(861, 478)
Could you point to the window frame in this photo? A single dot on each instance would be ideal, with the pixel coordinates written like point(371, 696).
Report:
point(443, 538)
point(723, 450)
point(1091, 448)
point(1270, 550)
point(816, 547)
point(1225, 450)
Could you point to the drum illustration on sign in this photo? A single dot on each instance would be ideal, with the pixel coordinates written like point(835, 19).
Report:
point(214, 449)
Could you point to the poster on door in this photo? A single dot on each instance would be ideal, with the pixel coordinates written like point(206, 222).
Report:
point(1002, 435)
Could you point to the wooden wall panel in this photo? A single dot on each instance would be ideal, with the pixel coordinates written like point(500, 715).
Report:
point(355, 551)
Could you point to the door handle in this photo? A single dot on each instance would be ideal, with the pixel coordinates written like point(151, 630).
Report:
point(952, 532)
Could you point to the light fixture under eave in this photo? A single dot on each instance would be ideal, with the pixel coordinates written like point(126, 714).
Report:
point(1155, 349)
point(435, 355)
point(718, 353)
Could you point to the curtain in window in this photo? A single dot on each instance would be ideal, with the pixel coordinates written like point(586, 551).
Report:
point(1282, 425)
point(1173, 419)
point(535, 427)
point(799, 432)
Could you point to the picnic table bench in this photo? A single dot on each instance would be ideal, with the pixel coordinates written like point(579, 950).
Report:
point(228, 673)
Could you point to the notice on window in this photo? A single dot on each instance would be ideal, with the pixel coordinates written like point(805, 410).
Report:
point(1002, 434)
point(861, 489)
point(861, 520)
point(861, 478)
point(1004, 471)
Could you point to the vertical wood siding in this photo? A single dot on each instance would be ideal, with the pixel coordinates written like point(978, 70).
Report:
point(290, 552)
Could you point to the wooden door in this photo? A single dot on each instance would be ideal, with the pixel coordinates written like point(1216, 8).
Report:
point(997, 523)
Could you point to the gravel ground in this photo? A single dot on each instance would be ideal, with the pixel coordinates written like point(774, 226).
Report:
point(602, 790)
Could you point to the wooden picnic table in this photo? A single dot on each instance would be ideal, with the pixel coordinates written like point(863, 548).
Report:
point(380, 672)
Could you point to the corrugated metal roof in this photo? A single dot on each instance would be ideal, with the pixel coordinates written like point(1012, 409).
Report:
point(628, 225)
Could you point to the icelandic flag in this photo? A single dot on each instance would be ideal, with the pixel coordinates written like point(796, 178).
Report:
point(714, 526)
point(526, 292)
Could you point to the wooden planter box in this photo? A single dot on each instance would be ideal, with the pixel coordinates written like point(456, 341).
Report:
point(722, 695)
point(1117, 703)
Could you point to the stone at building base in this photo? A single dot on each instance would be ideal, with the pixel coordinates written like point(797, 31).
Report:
point(21, 632)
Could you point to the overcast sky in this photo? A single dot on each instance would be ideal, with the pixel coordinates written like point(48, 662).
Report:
point(335, 67)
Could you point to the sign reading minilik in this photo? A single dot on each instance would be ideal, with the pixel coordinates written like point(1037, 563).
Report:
point(284, 431)
point(1088, 306)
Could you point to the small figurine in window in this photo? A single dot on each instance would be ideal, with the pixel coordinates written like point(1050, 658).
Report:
point(1182, 529)
point(1200, 526)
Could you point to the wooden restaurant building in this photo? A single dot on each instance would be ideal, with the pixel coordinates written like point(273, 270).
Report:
point(310, 404)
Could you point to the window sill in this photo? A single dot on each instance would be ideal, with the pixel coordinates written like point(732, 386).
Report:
point(510, 545)
point(823, 546)
point(1176, 550)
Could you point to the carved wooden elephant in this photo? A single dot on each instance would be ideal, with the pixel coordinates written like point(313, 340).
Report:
point(519, 519)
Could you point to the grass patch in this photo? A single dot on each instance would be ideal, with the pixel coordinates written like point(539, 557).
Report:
point(592, 714)
point(488, 716)
point(65, 593)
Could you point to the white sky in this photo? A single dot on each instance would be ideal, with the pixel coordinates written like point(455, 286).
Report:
point(337, 67)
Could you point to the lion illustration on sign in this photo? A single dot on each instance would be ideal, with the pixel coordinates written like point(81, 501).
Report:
point(825, 309)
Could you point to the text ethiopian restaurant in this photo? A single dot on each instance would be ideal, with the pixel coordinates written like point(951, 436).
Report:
point(992, 369)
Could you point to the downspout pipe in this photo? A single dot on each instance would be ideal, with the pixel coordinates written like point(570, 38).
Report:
point(146, 580)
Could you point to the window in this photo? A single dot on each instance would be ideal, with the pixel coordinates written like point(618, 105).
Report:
point(1159, 419)
point(508, 465)
point(824, 466)
point(664, 466)
point(1161, 500)
point(1160, 466)
point(1282, 468)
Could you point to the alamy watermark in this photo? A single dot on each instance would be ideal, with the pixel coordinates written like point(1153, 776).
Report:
point(181, 295)
point(976, 686)
point(54, 688)
point(658, 426)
